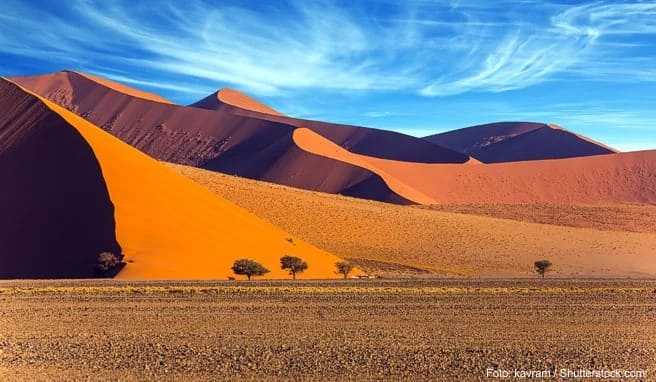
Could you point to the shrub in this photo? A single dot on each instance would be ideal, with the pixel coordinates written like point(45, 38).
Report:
point(248, 268)
point(293, 264)
point(344, 268)
point(542, 267)
point(108, 262)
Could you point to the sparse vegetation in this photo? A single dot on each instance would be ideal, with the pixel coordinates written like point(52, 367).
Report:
point(293, 265)
point(248, 268)
point(542, 267)
point(108, 263)
point(344, 268)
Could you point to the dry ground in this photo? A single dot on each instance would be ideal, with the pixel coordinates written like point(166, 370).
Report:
point(351, 330)
point(401, 241)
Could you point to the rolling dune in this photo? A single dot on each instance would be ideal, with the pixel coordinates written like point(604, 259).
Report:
point(402, 240)
point(519, 141)
point(615, 178)
point(217, 140)
point(168, 226)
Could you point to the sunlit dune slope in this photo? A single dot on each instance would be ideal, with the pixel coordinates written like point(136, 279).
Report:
point(171, 228)
point(622, 177)
point(518, 141)
point(440, 242)
point(217, 140)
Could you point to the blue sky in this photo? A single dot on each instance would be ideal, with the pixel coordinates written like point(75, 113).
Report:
point(418, 67)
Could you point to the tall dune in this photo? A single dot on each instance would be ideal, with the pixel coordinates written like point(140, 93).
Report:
point(168, 226)
point(219, 140)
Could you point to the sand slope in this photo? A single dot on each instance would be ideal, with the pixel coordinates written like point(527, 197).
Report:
point(404, 239)
point(518, 141)
point(218, 140)
point(170, 227)
point(622, 177)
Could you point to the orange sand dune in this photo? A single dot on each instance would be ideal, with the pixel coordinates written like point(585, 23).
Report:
point(125, 89)
point(408, 240)
point(171, 228)
point(623, 177)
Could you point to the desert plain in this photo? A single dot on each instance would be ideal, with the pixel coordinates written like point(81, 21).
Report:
point(412, 329)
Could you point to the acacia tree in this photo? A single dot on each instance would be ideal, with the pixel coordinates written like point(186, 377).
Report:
point(248, 268)
point(542, 267)
point(293, 265)
point(344, 268)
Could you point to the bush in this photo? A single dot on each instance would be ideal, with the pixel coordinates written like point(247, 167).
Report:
point(344, 268)
point(248, 268)
point(108, 262)
point(542, 267)
point(293, 264)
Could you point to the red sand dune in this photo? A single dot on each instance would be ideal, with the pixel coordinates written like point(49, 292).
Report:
point(622, 177)
point(74, 191)
point(230, 98)
point(518, 141)
point(222, 140)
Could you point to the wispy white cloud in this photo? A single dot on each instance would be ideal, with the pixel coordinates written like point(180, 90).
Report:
point(433, 49)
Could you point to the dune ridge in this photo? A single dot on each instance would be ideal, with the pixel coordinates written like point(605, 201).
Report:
point(170, 227)
point(622, 177)
point(519, 141)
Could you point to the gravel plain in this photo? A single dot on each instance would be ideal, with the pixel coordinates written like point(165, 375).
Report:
point(422, 329)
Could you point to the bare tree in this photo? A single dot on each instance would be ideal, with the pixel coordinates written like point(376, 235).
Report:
point(249, 268)
point(344, 268)
point(542, 267)
point(293, 264)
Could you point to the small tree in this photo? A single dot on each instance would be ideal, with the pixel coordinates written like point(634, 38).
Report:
point(344, 268)
point(107, 262)
point(542, 267)
point(293, 264)
point(248, 268)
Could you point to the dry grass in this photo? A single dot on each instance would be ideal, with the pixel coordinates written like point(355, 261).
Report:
point(352, 330)
point(441, 242)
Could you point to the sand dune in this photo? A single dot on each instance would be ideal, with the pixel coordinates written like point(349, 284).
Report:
point(168, 226)
point(441, 242)
point(622, 177)
point(519, 141)
point(225, 98)
point(217, 140)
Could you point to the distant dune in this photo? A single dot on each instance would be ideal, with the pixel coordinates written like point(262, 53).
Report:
point(228, 98)
point(401, 240)
point(75, 191)
point(518, 141)
point(622, 177)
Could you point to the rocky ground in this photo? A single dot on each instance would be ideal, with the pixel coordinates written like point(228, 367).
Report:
point(349, 330)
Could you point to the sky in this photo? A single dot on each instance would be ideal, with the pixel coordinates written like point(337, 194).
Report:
point(416, 66)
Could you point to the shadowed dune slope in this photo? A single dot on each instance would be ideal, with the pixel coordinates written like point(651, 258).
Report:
point(518, 141)
point(361, 140)
point(622, 177)
point(402, 238)
point(171, 228)
point(216, 140)
point(56, 212)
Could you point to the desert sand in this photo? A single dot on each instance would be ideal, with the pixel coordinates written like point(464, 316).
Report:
point(364, 330)
point(401, 240)
point(231, 97)
point(621, 177)
point(519, 141)
point(217, 140)
point(168, 226)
